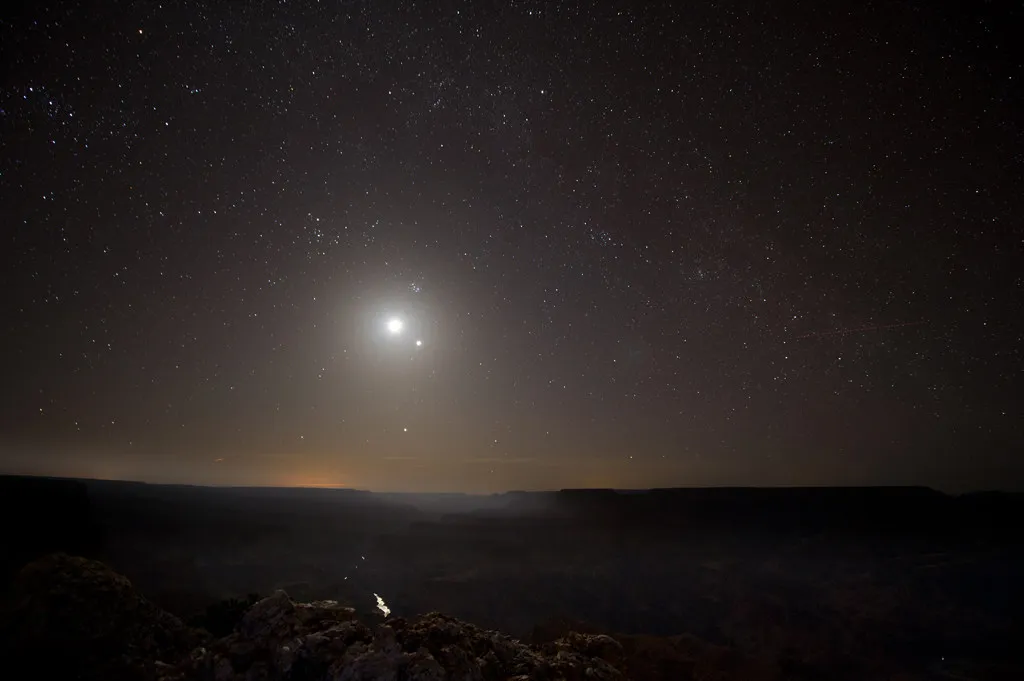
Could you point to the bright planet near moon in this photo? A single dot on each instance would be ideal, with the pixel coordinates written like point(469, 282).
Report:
point(795, 283)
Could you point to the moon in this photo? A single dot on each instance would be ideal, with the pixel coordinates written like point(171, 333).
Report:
point(395, 326)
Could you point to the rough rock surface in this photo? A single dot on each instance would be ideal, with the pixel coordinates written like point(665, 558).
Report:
point(280, 639)
point(74, 618)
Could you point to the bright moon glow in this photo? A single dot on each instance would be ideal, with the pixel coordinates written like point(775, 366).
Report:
point(395, 325)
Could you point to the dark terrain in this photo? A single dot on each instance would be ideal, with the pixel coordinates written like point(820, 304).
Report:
point(839, 583)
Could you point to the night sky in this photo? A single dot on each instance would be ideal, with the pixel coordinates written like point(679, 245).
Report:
point(480, 246)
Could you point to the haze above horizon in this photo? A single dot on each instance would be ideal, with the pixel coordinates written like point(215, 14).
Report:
point(513, 245)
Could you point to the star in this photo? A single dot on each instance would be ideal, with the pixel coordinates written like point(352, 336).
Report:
point(587, 262)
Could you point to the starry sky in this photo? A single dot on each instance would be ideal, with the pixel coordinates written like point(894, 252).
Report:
point(627, 246)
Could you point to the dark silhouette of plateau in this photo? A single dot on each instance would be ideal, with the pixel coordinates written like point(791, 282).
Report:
point(840, 583)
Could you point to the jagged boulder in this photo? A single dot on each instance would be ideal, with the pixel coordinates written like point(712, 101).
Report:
point(71, 617)
point(280, 639)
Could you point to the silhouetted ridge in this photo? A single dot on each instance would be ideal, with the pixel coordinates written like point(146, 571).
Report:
point(70, 617)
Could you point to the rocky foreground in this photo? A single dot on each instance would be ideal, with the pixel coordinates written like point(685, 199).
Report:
point(73, 618)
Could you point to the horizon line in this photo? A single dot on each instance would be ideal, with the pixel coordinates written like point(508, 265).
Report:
point(343, 488)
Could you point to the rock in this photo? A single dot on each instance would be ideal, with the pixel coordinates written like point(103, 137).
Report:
point(594, 645)
point(73, 617)
point(421, 666)
point(272, 617)
point(319, 612)
point(279, 639)
point(103, 629)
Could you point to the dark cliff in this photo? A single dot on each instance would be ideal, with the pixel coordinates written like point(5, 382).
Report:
point(74, 618)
